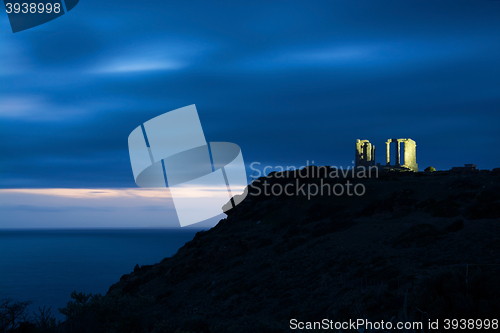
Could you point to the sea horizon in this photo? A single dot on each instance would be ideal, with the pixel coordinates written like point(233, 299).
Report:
point(44, 265)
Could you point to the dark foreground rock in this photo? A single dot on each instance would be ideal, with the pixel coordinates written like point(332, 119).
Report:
point(414, 246)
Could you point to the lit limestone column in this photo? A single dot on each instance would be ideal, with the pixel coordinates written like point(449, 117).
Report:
point(388, 158)
point(373, 155)
point(358, 152)
point(410, 155)
point(398, 157)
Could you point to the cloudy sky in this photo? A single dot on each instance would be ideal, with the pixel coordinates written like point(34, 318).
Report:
point(288, 81)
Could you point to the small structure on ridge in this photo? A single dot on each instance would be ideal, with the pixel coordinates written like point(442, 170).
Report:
point(365, 154)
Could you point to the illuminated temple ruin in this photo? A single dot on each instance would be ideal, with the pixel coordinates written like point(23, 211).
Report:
point(365, 154)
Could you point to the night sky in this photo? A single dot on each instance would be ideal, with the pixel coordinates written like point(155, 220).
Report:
point(288, 81)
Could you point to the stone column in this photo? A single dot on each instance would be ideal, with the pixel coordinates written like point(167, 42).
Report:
point(373, 155)
point(410, 155)
point(388, 158)
point(358, 152)
point(397, 153)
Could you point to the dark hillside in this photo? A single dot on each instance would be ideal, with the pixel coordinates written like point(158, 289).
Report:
point(413, 243)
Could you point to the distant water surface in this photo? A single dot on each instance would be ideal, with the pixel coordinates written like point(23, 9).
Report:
point(45, 266)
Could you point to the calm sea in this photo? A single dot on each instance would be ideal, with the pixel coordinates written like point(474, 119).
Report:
point(45, 266)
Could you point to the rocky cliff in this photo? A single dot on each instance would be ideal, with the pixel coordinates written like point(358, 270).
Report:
point(413, 246)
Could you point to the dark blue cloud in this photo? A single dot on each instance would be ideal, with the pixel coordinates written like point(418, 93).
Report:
point(288, 82)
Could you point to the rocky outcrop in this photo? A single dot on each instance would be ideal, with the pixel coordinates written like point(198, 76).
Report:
point(412, 241)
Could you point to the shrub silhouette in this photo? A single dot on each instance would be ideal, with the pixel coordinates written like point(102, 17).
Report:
point(430, 169)
point(13, 314)
point(14, 317)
